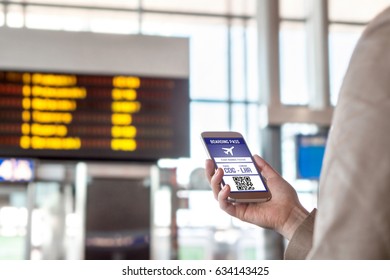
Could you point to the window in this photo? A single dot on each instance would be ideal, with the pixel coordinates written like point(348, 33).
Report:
point(346, 27)
point(352, 11)
point(293, 64)
point(2, 15)
point(342, 42)
point(208, 50)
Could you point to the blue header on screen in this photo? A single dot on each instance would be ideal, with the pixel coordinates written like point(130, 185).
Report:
point(216, 145)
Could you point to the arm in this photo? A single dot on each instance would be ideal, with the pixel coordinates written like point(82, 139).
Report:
point(353, 212)
point(302, 240)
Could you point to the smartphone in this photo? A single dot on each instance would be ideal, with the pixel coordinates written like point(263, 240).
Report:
point(230, 152)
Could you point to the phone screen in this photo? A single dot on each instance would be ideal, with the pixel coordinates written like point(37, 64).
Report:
point(235, 159)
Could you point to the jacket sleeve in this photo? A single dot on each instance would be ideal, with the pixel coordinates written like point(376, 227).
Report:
point(352, 220)
point(301, 242)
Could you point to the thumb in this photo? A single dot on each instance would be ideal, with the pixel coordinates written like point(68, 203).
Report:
point(265, 168)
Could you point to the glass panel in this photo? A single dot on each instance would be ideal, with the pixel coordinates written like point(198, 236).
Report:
point(47, 222)
point(239, 118)
point(252, 61)
point(81, 20)
point(245, 119)
point(233, 7)
point(59, 19)
point(13, 222)
point(238, 74)
point(293, 64)
point(342, 41)
point(208, 50)
point(253, 132)
point(292, 9)
point(356, 10)
point(198, 6)
point(244, 61)
point(243, 7)
point(92, 3)
point(2, 17)
point(14, 17)
point(114, 22)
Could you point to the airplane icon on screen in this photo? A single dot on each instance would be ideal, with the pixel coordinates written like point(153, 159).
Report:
point(228, 150)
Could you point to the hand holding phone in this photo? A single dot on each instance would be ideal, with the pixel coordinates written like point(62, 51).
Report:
point(229, 151)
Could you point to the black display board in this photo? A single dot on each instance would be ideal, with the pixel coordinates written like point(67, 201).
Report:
point(77, 116)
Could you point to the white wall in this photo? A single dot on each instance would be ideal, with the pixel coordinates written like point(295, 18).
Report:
point(82, 52)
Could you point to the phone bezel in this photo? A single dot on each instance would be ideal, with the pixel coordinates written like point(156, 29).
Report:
point(240, 196)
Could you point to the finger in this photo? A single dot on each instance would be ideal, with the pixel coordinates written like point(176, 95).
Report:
point(215, 182)
point(210, 169)
point(223, 197)
point(266, 170)
point(224, 204)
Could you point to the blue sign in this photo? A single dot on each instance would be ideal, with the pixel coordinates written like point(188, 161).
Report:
point(310, 154)
point(16, 170)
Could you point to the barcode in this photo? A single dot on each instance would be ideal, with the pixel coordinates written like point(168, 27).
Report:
point(243, 183)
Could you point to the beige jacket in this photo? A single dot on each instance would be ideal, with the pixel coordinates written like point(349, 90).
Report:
point(353, 217)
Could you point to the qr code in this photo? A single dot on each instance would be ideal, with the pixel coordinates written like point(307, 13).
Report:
point(243, 183)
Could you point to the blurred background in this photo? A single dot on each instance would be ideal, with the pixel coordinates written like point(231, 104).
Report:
point(270, 69)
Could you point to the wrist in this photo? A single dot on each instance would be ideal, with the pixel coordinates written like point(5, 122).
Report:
point(294, 220)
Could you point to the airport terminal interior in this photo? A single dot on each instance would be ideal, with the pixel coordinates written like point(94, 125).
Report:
point(102, 103)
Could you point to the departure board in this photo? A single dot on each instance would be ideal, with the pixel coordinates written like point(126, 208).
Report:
point(79, 116)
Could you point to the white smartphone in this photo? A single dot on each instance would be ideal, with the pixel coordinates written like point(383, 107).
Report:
point(230, 152)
